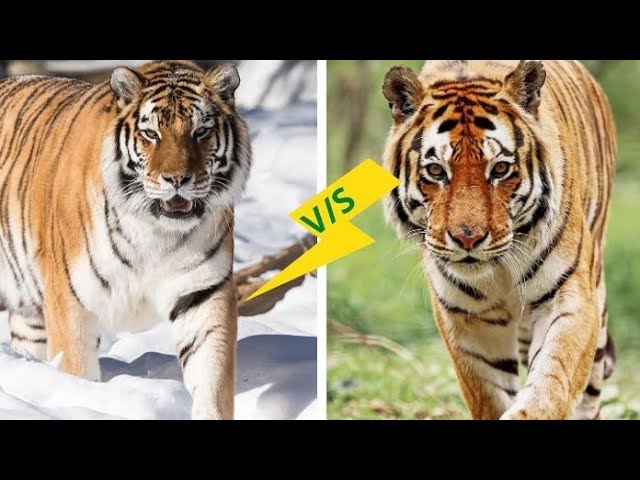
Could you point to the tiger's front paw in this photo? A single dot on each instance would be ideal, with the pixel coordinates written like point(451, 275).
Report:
point(515, 414)
point(536, 404)
point(208, 410)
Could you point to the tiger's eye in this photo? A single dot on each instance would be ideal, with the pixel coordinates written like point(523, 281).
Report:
point(201, 132)
point(500, 169)
point(435, 170)
point(150, 135)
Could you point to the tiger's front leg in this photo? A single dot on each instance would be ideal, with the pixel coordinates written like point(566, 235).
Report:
point(565, 332)
point(204, 325)
point(485, 355)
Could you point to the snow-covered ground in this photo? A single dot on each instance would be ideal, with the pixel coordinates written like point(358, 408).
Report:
point(276, 376)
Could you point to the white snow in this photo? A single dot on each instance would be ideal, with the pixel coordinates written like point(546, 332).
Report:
point(276, 374)
point(266, 84)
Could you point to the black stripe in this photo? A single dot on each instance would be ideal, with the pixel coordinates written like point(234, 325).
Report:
point(478, 82)
point(413, 204)
point(524, 198)
point(535, 355)
point(6, 256)
point(19, 135)
point(508, 391)
point(117, 134)
point(214, 249)
point(561, 281)
point(599, 355)
point(193, 299)
point(66, 266)
point(593, 391)
point(416, 145)
point(231, 130)
point(491, 109)
point(438, 113)
point(170, 78)
point(552, 245)
point(187, 351)
point(230, 143)
point(484, 123)
point(89, 96)
point(173, 68)
point(507, 365)
point(129, 185)
point(114, 247)
point(542, 207)
point(400, 213)
point(20, 338)
point(476, 316)
point(395, 195)
point(446, 96)
point(463, 287)
point(92, 263)
point(32, 161)
point(447, 125)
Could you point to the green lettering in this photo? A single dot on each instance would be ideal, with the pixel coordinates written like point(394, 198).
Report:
point(332, 217)
point(319, 227)
point(348, 200)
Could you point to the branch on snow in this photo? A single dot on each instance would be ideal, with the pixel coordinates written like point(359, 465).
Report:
point(248, 279)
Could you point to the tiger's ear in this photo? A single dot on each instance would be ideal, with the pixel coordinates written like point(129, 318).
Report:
point(224, 80)
point(126, 84)
point(524, 84)
point(404, 92)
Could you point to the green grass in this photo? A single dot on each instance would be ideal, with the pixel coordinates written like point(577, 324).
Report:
point(381, 290)
point(370, 383)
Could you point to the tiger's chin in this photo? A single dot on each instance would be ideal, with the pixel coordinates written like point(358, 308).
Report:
point(469, 268)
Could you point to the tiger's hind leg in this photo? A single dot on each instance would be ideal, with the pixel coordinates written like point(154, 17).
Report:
point(29, 333)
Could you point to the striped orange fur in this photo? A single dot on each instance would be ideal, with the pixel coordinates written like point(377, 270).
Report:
point(506, 170)
point(116, 211)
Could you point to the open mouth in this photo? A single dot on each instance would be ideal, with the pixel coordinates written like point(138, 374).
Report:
point(469, 259)
point(178, 207)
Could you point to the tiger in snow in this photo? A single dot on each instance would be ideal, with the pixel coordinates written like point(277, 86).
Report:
point(117, 211)
point(506, 170)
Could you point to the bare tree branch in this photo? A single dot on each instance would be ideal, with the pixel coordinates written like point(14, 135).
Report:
point(248, 279)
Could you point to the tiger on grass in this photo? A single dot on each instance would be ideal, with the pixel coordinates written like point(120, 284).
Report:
point(506, 169)
point(117, 211)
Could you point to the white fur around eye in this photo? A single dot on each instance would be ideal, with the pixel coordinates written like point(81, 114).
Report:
point(491, 148)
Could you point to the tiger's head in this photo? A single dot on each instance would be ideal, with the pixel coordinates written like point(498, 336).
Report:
point(463, 144)
point(179, 146)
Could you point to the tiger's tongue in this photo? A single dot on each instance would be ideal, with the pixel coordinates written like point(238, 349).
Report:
point(177, 204)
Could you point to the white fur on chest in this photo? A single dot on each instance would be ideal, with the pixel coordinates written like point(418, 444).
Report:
point(155, 271)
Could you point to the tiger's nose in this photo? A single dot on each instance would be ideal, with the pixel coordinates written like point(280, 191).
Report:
point(177, 180)
point(467, 239)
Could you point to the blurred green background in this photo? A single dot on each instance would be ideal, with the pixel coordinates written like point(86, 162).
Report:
point(385, 356)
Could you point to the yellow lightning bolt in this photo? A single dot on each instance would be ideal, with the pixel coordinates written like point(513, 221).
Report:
point(327, 216)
